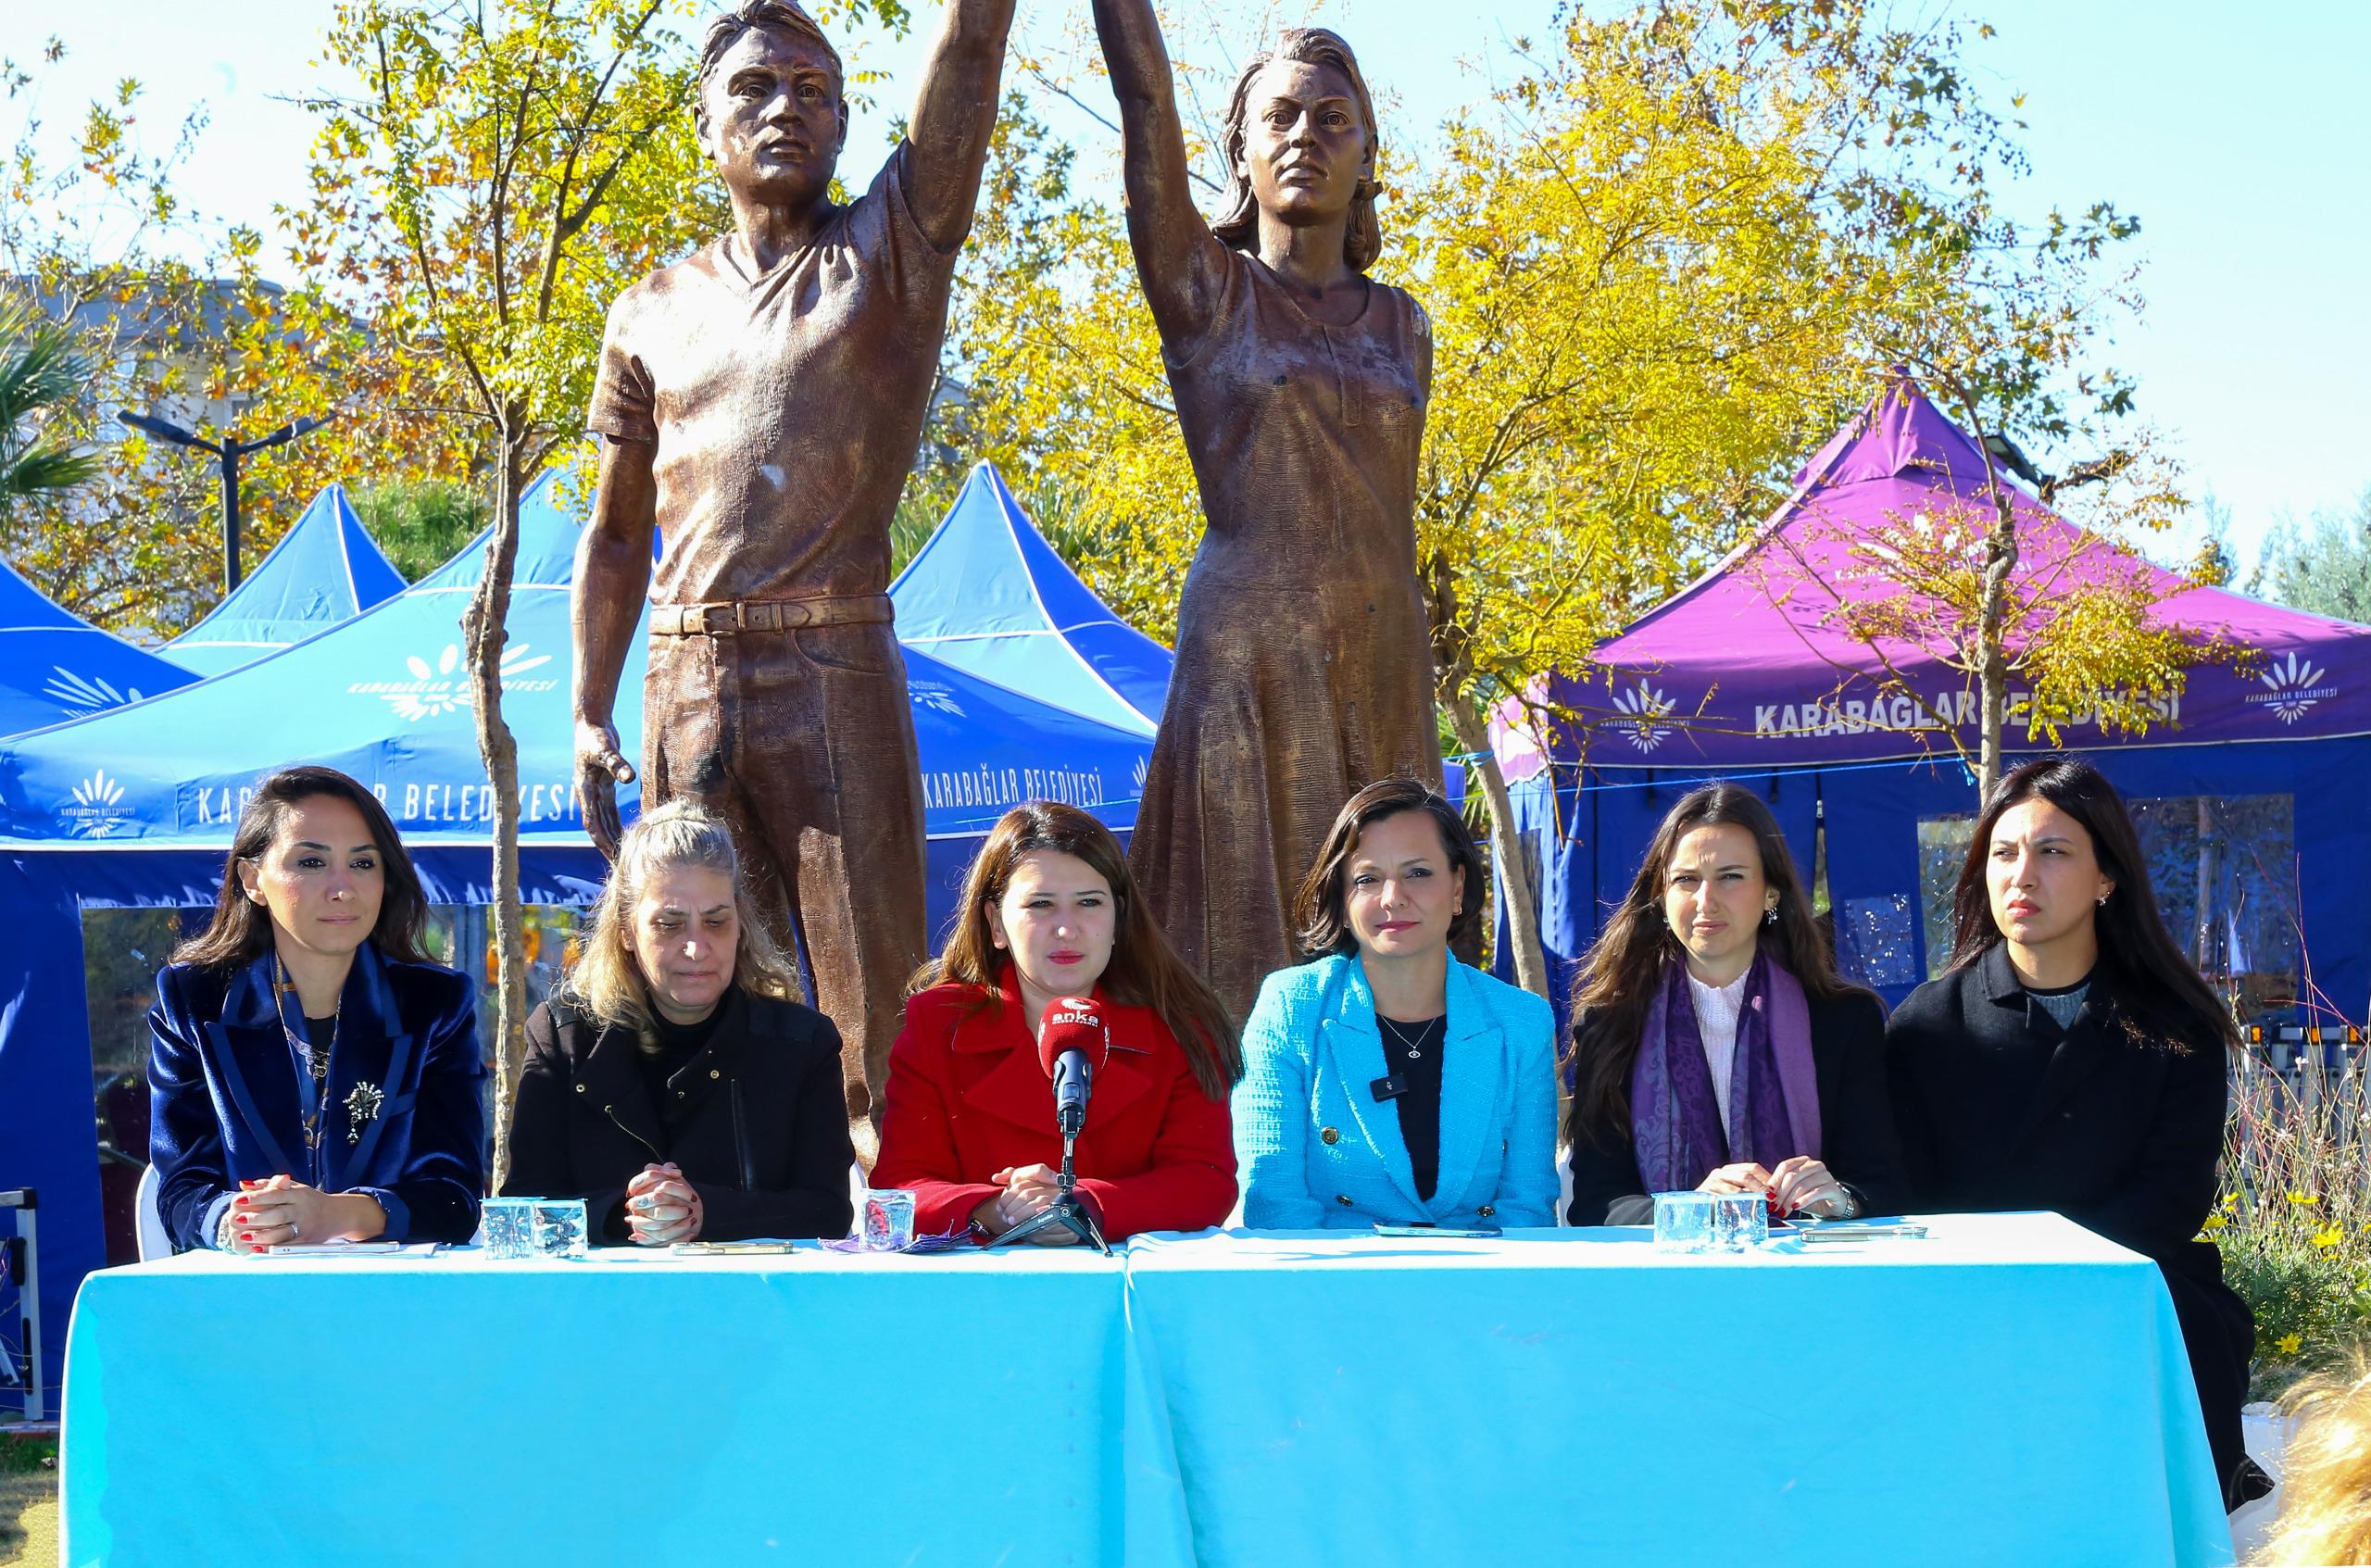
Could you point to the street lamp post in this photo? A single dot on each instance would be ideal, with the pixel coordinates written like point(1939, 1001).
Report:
point(228, 451)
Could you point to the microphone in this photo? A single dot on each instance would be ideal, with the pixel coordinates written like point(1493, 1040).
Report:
point(1072, 1044)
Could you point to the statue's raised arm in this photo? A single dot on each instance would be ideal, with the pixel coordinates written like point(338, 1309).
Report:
point(954, 114)
point(1303, 669)
point(1177, 257)
point(761, 401)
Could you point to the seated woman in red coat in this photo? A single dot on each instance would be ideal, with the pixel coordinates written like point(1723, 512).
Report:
point(968, 1119)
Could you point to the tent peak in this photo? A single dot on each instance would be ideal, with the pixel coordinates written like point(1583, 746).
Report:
point(1901, 434)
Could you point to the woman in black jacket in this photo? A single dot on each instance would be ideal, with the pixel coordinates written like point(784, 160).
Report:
point(673, 1081)
point(1714, 1046)
point(2073, 1059)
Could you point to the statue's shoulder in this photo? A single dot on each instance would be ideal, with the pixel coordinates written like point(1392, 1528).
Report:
point(654, 290)
point(1409, 308)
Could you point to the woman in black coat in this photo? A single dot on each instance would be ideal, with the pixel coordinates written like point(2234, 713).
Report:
point(1714, 1046)
point(2073, 1059)
point(672, 1084)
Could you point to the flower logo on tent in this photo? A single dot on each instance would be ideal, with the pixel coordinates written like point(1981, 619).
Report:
point(933, 695)
point(1643, 708)
point(1142, 770)
point(80, 694)
point(444, 688)
point(94, 810)
point(2289, 688)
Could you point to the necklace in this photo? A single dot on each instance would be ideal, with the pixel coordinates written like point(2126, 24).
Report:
point(318, 1060)
point(1416, 1044)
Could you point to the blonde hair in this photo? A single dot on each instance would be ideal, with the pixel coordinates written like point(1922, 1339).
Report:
point(2326, 1496)
point(606, 983)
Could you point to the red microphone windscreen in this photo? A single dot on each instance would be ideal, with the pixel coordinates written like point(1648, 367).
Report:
point(1073, 1024)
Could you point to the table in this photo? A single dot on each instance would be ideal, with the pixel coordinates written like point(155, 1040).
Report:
point(2010, 1390)
point(633, 1409)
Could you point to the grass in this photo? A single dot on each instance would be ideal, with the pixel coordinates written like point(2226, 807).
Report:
point(29, 1519)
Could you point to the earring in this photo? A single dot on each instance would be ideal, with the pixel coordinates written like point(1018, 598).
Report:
point(2104, 900)
point(1770, 915)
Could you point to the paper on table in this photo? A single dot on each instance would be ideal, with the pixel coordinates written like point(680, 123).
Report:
point(351, 1249)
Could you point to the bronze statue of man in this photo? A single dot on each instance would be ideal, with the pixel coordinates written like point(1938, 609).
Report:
point(761, 402)
point(1304, 669)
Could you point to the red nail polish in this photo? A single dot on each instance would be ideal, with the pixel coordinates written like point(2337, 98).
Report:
point(245, 1235)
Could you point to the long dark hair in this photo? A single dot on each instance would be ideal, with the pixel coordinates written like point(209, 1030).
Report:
point(1319, 907)
point(241, 930)
point(1238, 228)
point(1145, 971)
point(1626, 967)
point(2153, 992)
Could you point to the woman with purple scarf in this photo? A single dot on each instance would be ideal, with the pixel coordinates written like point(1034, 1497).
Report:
point(1714, 1047)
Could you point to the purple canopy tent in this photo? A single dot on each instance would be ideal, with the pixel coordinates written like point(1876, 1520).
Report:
point(1756, 673)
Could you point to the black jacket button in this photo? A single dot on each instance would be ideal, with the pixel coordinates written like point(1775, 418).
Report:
point(1343, 1199)
point(1328, 1135)
point(1485, 1210)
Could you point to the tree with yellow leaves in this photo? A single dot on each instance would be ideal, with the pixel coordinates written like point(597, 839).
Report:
point(501, 174)
point(1654, 262)
point(100, 256)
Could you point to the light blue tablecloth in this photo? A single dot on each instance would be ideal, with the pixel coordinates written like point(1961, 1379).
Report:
point(644, 1412)
point(2010, 1390)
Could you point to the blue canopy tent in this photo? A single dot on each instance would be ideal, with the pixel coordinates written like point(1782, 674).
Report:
point(325, 570)
point(2244, 790)
point(134, 807)
point(987, 595)
point(54, 666)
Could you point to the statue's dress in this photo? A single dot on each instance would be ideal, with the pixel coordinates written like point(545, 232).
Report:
point(1303, 668)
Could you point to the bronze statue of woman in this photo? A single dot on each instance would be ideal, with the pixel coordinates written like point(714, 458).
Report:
point(1303, 667)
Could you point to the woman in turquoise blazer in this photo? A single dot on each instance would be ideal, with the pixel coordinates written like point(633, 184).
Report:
point(1386, 1082)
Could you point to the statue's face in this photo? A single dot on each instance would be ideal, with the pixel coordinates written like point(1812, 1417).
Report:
point(772, 118)
point(1305, 144)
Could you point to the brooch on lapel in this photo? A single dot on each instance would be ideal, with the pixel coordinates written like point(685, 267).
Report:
point(361, 1105)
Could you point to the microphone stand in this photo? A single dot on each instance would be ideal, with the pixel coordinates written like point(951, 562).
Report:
point(1069, 1212)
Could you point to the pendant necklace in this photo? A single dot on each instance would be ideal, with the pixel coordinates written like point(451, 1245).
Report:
point(1412, 1045)
point(318, 1060)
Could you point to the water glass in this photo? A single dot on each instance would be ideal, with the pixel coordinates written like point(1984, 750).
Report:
point(888, 1220)
point(508, 1225)
point(559, 1227)
point(1683, 1221)
point(1741, 1220)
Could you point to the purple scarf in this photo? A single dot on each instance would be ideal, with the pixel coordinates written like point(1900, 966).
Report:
point(1773, 1088)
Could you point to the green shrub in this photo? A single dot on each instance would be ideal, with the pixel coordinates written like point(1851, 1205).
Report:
point(2294, 1223)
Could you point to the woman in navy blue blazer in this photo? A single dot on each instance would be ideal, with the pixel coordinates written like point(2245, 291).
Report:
point(1387, 1081)
point(314, 1077)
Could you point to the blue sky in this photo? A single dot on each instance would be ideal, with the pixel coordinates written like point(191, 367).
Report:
point(2241, 137)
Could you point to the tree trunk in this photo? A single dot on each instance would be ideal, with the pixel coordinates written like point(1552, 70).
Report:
point(1514, 872)
point(1991, 640)
point(483, 636)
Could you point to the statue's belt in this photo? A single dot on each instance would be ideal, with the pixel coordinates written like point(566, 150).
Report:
point(768, 615)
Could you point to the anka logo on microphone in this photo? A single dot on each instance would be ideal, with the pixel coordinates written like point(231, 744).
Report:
point(1076, 1016)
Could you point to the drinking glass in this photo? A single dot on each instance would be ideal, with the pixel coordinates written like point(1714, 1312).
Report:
point(888, 1220)
point(1683, 1221)
point(1740, 1221)
point(559, 1227)
point(510, 1227)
